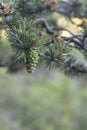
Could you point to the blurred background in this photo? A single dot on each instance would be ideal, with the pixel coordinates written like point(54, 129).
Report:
point(44, 100)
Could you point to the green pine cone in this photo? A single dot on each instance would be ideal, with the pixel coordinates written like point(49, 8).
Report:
point(31, 60)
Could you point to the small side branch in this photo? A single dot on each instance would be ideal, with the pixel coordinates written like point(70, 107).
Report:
point(45, 24)
point(74, 67)
point(30, 11)
point(51, 31)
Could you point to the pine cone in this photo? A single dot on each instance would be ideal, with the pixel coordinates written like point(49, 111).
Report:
point(31, 60)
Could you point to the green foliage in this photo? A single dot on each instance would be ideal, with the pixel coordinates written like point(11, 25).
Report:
point(24, 34)
point(30, 8)
point(55, 54)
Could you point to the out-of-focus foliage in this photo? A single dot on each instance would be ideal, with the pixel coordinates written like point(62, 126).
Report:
point(39, 103)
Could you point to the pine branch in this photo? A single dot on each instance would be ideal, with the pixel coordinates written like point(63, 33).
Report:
point(33, 43)
point(30, 8)
point(73, 67)
point(71, 9)
point(31, 12)
point(51, 31)
point(45, 24)
point(77, 42)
